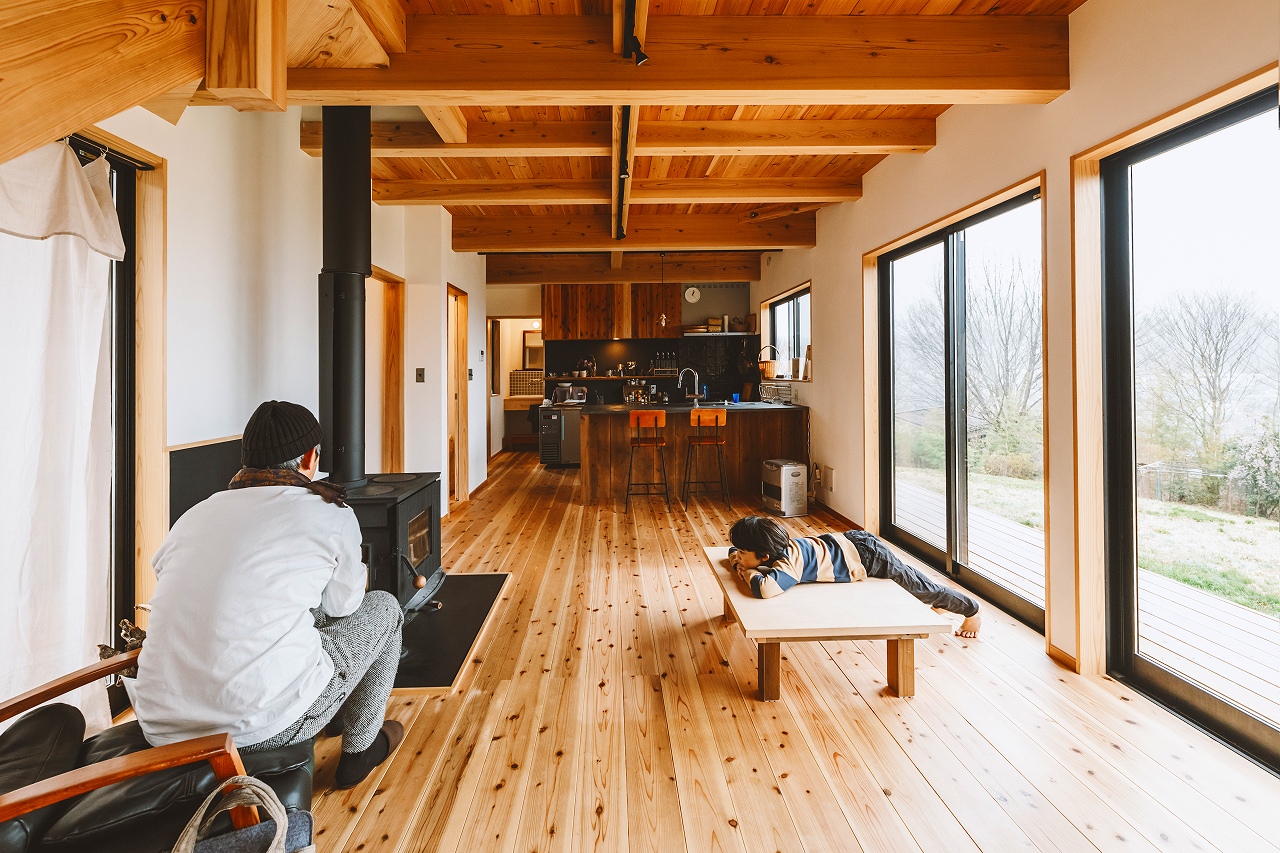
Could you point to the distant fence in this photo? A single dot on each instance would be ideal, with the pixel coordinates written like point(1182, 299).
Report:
point(1164, 482)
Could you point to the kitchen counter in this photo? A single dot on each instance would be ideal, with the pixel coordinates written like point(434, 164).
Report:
point(753, 433)
point(684, 408)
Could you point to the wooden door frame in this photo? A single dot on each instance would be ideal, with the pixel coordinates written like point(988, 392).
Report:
point(392, 369)
point(460, 473)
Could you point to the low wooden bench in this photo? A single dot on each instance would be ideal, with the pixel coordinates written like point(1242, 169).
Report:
point(872, 609)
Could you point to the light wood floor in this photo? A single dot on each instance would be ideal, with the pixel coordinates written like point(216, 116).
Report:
point(611, 710)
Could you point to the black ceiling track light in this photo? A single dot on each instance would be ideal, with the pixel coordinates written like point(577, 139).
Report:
point(631, 46)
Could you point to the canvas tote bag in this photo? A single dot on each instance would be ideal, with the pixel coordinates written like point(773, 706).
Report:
point(283, 833)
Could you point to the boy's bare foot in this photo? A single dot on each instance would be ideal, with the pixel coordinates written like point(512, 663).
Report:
point(969, 627)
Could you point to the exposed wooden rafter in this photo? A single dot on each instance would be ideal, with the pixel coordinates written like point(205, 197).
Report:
point(598, 268)
point(632, 116)
point(448, 122)
point(598, 191)
point(172, 104)
point(484, 139)
point(246, 53)
point(594, 233)
point(56, 79)
point(711, 60)
point(653, 138)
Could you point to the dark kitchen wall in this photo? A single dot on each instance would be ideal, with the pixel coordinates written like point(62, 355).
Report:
point(724, 362)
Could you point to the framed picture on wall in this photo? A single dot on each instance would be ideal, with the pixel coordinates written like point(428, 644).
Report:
point(533, 349)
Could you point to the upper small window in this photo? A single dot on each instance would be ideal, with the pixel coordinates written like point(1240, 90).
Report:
point(791, 333)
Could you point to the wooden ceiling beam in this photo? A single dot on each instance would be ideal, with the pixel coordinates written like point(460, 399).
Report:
point(598, 191)
point(786, 137)
point(594, 233)
point(492, 192)
point(448, 122)
point(712, 59)
point(633, 122)
point(484, 139)
point(345, 33)
point(653, 138)
point(598, 268)
point(56, 77)
point(246, 53)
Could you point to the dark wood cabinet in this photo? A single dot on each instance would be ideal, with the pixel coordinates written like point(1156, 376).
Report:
point(655, 311)
point(597, 312)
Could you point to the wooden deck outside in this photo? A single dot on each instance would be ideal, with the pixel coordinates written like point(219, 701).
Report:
point(613, 710)
point(1230, 650)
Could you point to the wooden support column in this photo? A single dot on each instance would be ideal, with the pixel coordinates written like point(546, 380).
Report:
point(245, 53)
point(902, 666)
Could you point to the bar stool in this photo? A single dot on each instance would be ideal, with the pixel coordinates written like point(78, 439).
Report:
point(641, 420)
point(700, 419)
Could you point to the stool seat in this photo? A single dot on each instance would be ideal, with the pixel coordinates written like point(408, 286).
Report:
point(649, 441)
point(712, 419)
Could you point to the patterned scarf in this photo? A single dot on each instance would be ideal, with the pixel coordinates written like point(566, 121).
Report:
point(246, 477)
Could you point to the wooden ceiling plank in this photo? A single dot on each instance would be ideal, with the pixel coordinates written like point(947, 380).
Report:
point(56, 79)
point(332, 34)
point(484, 139)
point(777, 211)
point(792, 137)
point(491, 192)
point(593, 233)
point(754, 60)
point(619, 268)
point(448, 122)
point(739, 190)
point(246, 53)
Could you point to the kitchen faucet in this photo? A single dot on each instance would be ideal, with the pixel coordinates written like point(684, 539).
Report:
point(695, 396)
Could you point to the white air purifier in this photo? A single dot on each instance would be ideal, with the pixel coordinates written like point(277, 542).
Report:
point(785, 487)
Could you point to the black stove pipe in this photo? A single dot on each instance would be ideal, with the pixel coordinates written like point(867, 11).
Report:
point(348, 234)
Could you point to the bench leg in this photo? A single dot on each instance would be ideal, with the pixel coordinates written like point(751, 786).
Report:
point(902, 666)
point(769, 670)
point(728, 612)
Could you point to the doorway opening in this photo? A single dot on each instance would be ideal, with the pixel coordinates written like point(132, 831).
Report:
point(457, 395)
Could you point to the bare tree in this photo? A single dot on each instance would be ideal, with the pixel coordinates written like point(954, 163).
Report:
point(1201, 350)
point(920, 351)
point(1003, 345)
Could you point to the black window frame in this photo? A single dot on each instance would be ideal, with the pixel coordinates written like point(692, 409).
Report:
point(1217, 715)
point(793, 298)
point(123, 305)
point(945, 560)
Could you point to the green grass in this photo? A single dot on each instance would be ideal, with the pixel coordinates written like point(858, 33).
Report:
point(1225, 583)
point(1197, 515)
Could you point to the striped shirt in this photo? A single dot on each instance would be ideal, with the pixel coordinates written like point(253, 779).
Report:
point(828, 558)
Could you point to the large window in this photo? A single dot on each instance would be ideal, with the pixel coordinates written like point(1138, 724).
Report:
point(1192, 358)
point(790, 333)
point(962, 378)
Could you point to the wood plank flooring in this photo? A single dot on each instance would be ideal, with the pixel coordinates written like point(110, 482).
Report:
point(609, 708)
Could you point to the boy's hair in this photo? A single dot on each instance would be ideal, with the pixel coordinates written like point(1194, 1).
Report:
point(760, 535)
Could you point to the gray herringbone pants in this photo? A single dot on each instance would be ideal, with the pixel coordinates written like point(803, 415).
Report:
point(365, 650)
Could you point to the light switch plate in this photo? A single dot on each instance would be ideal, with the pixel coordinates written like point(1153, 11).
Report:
point(420, 375)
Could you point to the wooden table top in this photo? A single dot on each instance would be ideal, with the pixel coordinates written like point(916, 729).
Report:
point(811, 611)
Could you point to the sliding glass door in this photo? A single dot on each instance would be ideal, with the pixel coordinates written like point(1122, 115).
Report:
point(1192, 301)
point(962, 384)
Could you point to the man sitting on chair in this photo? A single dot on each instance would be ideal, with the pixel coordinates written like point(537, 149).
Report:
point(260, 624)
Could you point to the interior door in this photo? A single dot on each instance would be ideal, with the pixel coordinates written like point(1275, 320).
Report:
point(451, 371)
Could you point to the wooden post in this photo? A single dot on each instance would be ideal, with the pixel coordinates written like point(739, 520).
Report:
point(769, 670)
point(902, 666)
point(729, 618)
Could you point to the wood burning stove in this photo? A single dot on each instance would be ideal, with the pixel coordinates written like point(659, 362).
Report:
point(399, 517)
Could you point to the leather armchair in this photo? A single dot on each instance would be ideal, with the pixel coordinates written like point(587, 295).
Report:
point(115, 792)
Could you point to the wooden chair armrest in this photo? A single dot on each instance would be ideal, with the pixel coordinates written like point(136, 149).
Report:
point(218, 750)
point(79, 678)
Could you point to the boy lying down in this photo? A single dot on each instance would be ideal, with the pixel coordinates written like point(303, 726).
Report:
point(771, 562)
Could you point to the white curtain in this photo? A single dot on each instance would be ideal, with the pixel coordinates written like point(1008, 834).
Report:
point(58, 235)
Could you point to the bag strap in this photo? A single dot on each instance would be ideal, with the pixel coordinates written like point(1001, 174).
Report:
point(247, 791)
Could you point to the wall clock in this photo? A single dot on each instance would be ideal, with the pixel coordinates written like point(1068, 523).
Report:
point(692, 295)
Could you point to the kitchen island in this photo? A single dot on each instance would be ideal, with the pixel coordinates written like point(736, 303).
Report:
point(753, 433)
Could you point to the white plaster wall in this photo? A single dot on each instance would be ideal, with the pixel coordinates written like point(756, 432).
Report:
point(1131, 60)
point(244, 253)
point(515, 300)
point(430, 266)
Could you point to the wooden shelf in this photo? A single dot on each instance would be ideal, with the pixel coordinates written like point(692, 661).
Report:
point(719, 334)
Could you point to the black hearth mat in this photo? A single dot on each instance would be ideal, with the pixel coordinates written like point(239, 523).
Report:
point(438, 642)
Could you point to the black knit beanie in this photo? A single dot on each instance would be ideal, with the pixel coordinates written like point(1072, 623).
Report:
point(278, 432)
